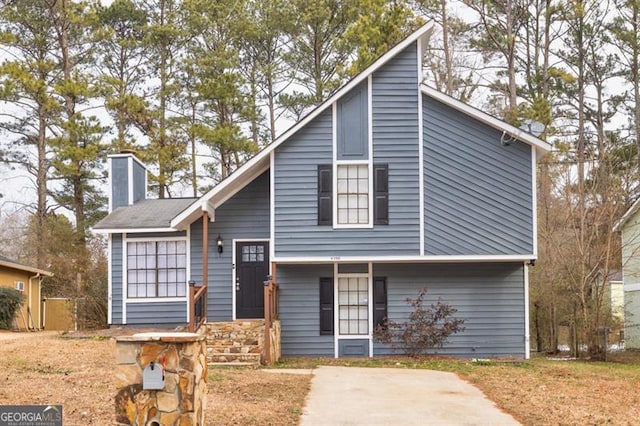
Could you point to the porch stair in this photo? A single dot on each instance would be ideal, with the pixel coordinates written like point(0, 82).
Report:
point(234, 342)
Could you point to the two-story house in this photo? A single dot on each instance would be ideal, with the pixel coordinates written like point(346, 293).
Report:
point(386, 187)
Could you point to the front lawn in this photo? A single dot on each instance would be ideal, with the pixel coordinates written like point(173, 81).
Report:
point(43, 368)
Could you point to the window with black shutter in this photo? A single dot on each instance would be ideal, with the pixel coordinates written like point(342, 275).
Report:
point(381, 194)
point(379, 300)
point(326, 306)
point(325, 192)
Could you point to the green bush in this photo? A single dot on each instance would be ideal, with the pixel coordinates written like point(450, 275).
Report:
point(10, 301)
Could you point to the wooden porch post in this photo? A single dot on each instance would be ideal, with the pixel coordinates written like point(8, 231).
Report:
point(268, 313)
point(205, 257)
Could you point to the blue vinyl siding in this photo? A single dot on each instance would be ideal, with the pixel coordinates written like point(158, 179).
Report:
point(478, 192)
point(244, 216)
point(119, 182)
point(139, 182)
point(352, 122)
point(490, 297)
point(395, 142)
point(299, 291)
point(157, 314)
point(116, 279)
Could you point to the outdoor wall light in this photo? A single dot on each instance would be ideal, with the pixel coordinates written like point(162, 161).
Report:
point(220, 244)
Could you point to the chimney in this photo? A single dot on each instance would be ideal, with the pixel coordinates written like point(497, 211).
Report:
point(127, 180)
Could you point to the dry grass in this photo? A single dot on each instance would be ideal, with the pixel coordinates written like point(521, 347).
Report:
point(245, 397)
point(539, 391)
point(43, 368)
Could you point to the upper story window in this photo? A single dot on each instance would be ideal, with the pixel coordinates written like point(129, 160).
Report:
point(353, 194)
point(354, 199)
point(157, 269)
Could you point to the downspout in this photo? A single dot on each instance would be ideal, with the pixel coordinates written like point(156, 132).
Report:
point(30, 317)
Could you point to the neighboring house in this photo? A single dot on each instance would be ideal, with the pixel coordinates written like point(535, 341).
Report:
point(386, 187)
point(616, 294)
point(27, 280)
point(629, 228)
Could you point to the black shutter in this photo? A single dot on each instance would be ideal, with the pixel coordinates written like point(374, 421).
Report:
point(325, 193)
point(381, 194)
point(326, 306)
point(379, 300)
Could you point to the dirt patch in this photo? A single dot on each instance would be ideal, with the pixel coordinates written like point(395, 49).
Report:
point(256, 398)
point(47, 368)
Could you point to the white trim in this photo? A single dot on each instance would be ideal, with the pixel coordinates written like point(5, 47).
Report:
point(338, 275)
point(130, 180)
point(234, 268)
point(421, 208)
point(233, 280)
point(371, 301)
point(371, 194)
point(527, 336)
point(125, 294)
point(251, 177)
point(157, 299)
point(110, 279)
point(336, 308)
point(405, 259)
point(188, 273)
point(153, 239)
point(336, 164)
point(631, 287)
point(133, 230)
point(421, 32)
point(272, 206)
point(534, 196)
point(512, 131)
point(626, 216)
point(128, 155)
point(124, 278)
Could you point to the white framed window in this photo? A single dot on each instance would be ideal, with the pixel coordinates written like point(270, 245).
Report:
point(353, 194)
point(156, 269)
point(20, 285)
point(353, 305)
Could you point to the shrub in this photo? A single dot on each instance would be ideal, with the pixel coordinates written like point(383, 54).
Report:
point(427, 327)
point(10, 301)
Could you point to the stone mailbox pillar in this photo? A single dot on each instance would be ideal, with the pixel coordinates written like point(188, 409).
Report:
point(182, 399)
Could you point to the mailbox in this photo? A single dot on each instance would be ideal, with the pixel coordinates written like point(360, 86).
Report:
point(153, 377)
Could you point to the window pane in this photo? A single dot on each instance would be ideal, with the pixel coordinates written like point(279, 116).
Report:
point(181, 289)
point(162, 290)
point(151, 290)
point(363, 216)
point(342, 172)
point(363, 186)
point(343, 216)
point(343, 284)
point(363, 327)
point(260, 249)
point(343, 201)
point(363, 284)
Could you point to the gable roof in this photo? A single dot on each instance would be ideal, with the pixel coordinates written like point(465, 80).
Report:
point(9, 263)
point(245, 174)
point(626, 216)
point(542, 147)
point(145, 215)
point(261, 161)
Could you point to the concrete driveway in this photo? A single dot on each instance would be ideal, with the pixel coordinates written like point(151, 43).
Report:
point(391, 396)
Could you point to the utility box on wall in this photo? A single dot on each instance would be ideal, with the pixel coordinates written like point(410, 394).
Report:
point(153, 377)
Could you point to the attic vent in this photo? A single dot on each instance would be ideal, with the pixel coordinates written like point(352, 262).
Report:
point(20, 285)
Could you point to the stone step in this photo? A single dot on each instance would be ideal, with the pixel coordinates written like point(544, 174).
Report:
point(234, 358)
